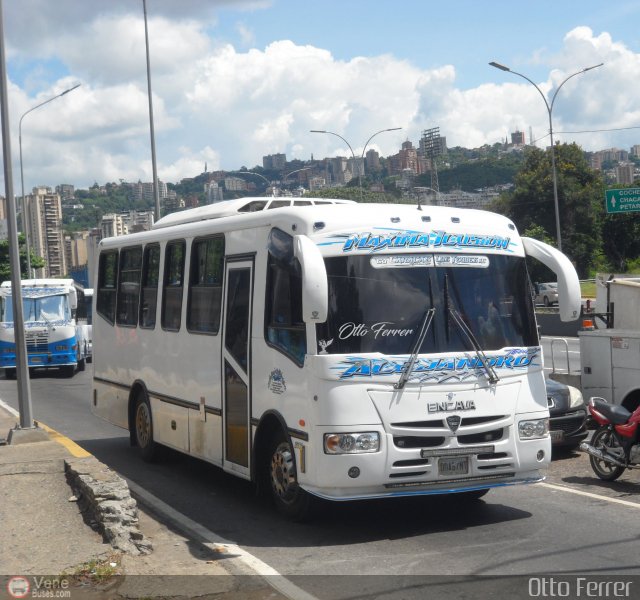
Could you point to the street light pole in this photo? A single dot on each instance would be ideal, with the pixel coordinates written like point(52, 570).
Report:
point(352, 152)
point(251, 173)
point(154, 168)
point(553, 154)
point(24, 202)
point(284, 179)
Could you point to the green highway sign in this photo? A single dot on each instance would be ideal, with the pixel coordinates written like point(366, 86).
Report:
point(623, 200)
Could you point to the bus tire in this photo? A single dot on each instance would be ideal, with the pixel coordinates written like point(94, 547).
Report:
point(69, 370)
point(143, 424)
point(289, 498)
point(10, 373)
point(81, 365)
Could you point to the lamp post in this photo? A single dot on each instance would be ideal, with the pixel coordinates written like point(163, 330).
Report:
point(154, 168)
point(250, 173)
point(24, 202)
point(284, 179)
point(553, 154)
point(352, 152)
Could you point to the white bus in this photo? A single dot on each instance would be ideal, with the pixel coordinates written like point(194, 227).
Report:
point(344, 351)
point(84, 319)
point(52, 335)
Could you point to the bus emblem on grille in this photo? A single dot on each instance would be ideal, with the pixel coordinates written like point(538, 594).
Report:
point(453, 422)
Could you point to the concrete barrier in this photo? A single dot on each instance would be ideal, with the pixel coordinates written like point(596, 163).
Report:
point(550, 324)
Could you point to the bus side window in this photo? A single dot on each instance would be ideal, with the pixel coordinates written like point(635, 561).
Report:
point(149, 286)
point(205, 285)
point(173, 285)
point(129, 286)
point(284, 326)
point(107, 280)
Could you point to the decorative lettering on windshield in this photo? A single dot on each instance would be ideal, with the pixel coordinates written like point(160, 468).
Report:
point(439, 370)
point(401, 261)
point(382, 329)
point(382, 239)
point(462, 260)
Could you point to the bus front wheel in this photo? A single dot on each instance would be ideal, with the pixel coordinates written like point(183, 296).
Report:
point(143, 424)
point(289, 498)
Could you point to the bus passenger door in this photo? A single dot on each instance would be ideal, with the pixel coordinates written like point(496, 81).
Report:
point(236, 366)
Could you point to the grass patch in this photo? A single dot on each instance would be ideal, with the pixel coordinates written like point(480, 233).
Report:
point(588, 289)
point(97, 571)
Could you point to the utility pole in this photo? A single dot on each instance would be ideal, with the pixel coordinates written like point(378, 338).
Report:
point(26, 431)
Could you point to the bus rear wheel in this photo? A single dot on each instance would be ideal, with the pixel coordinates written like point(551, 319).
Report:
point(289, 498)
point(143, 424)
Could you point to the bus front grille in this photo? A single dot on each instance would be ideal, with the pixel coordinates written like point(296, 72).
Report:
point(37, 341)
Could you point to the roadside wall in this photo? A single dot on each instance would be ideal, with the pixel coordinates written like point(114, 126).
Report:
point(550, 324)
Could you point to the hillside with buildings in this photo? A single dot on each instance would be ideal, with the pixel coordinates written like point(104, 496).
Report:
point(65, 224)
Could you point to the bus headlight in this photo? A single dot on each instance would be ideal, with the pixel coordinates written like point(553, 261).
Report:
point(351, 443)
point(530, 430)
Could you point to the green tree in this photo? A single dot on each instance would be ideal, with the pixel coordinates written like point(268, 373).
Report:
point(580, 191)
point(37, 262)
point(621, 240)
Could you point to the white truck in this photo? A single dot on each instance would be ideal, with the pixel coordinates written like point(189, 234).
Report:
point(610, 352)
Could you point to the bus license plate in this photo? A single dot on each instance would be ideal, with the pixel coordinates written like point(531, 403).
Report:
point(557, 436)
point(457, 465)
point(36, 359)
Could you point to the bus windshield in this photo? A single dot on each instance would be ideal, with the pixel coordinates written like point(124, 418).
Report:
point(378, 303)
point(45, 308)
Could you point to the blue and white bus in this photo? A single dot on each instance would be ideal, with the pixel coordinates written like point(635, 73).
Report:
point(334, 350)
point(52, 336)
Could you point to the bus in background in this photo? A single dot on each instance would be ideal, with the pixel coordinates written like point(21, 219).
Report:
point(84, 321)
point(338, 350)
point(52, 336)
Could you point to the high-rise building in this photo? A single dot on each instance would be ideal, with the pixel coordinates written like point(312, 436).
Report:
point(45, 230)
point(75, 246)
point(372, 160)
point(113, 225)
point(274, 161)
point(137, 220)
point(624, 173)
point(517, 138)
point(213, 192)
point(407, 158)
point(66, 191)
point(4, 232)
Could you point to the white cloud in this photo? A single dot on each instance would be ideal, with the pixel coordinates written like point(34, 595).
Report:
point(228, 107)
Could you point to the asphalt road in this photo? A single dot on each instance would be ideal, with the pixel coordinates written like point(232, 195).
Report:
point(406, 548)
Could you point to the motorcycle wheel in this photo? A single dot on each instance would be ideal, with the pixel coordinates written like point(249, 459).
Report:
point(603, 439)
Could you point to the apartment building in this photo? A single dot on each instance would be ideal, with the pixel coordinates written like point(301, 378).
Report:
point(45, 230)
point(75, 246)
point(274, 161)
point(113, 225)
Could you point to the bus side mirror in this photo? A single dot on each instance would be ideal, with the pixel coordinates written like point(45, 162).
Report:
point(73, 298)
point(315, 287)
point(569, 294)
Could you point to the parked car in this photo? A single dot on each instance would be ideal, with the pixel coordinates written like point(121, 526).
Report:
point(546, 293)
point(568, 422)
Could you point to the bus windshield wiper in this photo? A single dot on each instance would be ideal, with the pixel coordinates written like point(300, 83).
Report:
point(424, 328)
point(482, 357)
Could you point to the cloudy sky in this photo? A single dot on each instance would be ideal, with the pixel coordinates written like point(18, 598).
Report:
point(234, 80)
